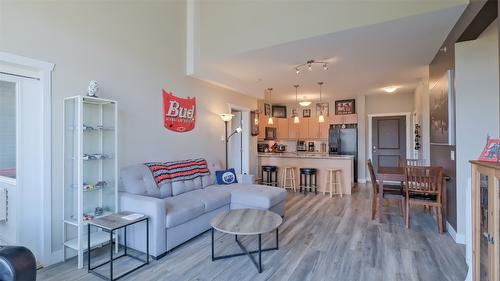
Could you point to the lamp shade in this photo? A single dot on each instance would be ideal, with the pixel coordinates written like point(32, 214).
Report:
point(270, 120)
point(226, 117)
point(321, 118)
point(296, 119)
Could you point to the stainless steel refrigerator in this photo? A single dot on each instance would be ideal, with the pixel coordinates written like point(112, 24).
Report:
point(343, 140)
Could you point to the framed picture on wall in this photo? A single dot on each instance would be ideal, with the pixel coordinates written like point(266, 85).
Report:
point(279, 111)
point(267, 109)
point(323, 107)
point(294, 112)
point(306, 113)
point(343, 107)
point(441, 111)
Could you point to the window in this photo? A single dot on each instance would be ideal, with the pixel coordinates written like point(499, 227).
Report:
point(8, 129)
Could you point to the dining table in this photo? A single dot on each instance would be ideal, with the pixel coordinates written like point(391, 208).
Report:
point(397, 174)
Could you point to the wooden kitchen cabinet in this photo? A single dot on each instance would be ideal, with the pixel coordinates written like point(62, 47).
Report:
point(313, 128)
point(485, 220)
point(282, 128)
point(304, 128)
point(323, 128)
point(262, 126)
point(351, 119)
point(293, 129)
point(344, 119)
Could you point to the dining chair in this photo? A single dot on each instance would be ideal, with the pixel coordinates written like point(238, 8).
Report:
point(423, 186)
point(392, 192)
point(412, 162)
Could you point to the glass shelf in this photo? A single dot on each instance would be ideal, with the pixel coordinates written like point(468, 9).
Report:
point(90, 149)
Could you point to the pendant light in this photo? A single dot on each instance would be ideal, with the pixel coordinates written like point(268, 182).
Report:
point(321, 118)
point(270, 120)
point(296, 117)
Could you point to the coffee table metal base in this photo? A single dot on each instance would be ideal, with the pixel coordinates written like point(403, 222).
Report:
point(258, 265)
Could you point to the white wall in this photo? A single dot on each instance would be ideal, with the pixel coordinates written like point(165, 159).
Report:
point(477, 112)
point(134, 50)
point(422, 116)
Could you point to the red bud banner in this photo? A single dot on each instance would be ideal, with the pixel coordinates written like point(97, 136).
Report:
point(179, 113)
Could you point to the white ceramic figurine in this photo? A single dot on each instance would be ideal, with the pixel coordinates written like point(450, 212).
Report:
point(93, 89)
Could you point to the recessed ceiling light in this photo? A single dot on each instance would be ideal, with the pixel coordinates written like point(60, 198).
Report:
point(390, 89)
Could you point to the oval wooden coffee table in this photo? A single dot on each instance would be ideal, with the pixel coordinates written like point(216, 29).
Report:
point(246, 222)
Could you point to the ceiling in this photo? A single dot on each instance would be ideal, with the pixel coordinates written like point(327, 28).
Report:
point(361, 60)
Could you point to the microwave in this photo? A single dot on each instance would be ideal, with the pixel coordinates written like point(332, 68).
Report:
point(270, 133)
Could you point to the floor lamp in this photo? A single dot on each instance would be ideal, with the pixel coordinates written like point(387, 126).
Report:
point(226, 117)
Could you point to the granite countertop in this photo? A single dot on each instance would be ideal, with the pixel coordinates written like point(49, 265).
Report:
point(305, 155)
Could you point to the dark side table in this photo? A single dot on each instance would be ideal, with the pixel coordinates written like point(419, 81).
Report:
point(111, 223)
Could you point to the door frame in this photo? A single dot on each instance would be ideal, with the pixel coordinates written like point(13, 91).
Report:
point(246, 143)
point(408, 130)
point(43, 71)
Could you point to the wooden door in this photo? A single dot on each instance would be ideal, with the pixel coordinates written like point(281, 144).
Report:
point(388, 141)
point(313, 128)
point(304, 128)
point(282, 129)
point(293, 129)
point(323, 128)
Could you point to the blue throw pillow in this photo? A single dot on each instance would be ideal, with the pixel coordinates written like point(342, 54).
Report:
point(226, 176)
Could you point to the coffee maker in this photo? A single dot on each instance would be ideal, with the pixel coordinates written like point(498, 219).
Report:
point(310, 146)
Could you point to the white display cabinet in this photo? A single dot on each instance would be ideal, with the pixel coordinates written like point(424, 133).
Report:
point(90, 175)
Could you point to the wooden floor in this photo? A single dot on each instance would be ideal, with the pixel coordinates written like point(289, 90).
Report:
point(321, 238)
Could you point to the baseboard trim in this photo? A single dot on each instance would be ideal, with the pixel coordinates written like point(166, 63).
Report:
point(458, 238)
point(53, 258)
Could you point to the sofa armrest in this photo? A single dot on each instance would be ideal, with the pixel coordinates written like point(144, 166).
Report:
point(245, 179)
point(156, 209)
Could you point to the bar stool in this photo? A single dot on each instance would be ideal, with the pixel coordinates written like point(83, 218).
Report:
point(308, 179)
point(269, 175)
point(334, 181)
point(288, 178)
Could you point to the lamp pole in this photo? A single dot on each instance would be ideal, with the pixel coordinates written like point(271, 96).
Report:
point(226, 139)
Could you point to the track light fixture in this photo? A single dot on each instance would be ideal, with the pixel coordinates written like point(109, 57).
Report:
point(309, 64)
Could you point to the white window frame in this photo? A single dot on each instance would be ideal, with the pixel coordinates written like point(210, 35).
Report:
point(17, 81)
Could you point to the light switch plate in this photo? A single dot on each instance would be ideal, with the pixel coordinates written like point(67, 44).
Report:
point(452, 155)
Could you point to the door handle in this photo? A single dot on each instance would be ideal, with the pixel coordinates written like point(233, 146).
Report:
point(374, 148)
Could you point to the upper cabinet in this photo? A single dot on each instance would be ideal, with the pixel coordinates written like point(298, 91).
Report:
point(323, 128)
point(293, 129)
point(313, 128)
point(307, 128)
point(344, 119)
point(282, 128)
point(262, 126)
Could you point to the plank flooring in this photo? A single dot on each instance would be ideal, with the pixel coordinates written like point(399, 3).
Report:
point(321, 238)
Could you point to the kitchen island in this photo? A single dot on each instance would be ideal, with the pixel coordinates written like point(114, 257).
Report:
point(321, 161)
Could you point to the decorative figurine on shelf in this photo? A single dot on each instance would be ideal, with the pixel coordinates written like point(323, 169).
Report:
point(88, 186)
point(93, 89)
point(100, 184)
point(98, 211)
point(87, 217)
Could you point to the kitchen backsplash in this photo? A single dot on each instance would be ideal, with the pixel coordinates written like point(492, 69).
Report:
point(291, 145)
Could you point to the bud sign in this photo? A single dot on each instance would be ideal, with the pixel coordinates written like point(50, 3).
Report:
point(179, 114)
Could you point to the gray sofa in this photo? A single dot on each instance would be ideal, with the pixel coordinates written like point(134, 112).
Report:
point(180, 211)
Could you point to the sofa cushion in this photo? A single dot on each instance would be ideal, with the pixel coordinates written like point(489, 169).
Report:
point(181, 209)
point(137, 179)
point(253, 195)
point(212, 199)
point(226, 176)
